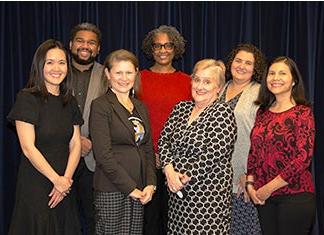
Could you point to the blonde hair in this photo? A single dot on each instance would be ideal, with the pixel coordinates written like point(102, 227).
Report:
point(215, 66)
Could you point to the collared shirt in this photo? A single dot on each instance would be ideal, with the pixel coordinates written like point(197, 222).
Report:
point(80, 84)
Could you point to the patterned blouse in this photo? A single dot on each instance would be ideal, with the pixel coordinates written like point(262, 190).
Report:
point(282, 144)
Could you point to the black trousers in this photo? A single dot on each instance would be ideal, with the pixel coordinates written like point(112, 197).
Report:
point(82, 184)
point(288, 214)
point(156, 211)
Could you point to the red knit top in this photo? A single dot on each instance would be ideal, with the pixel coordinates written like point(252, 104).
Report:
point(160, 92)
point(282, 144)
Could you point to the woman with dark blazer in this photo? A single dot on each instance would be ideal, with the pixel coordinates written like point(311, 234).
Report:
point(124, 178)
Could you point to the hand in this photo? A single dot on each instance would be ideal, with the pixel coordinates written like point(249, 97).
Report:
point(185, 179)
point(148, 193)
point(136, 194)
point(56, 198)
point(263, 193)
point(241, 188)
point(254, 197)
point(173, 178)
point(62, 184)
point(86, 146)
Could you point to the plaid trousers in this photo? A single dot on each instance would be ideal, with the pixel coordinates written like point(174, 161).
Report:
point(116, 213)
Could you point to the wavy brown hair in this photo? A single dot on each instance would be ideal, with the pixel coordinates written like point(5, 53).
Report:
point(259, 61)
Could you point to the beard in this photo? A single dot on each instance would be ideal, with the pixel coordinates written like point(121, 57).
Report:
point(77, 59)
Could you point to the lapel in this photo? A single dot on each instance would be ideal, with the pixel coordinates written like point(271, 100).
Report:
point(95, 86)
point(120, 112)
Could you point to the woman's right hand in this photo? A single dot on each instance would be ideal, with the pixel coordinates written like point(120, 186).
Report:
point(173, 178)
point(62, 184)
point(136, 194)
point(252, 192)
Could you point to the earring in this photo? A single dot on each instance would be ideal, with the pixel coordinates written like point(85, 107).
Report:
point(293, 84)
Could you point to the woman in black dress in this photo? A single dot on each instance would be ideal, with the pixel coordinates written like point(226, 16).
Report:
point(47, 120)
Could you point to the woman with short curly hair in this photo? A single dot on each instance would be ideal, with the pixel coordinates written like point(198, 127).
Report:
point(162, 45)
point(244, 68)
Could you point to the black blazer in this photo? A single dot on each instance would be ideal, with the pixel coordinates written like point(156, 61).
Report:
point(121, 165)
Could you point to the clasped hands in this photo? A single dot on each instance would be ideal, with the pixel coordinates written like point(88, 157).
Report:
point(143, 196)
point(259, 196)
point(61, 188)
point(176, 180)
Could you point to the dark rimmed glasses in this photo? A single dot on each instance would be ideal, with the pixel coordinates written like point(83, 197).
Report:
point(167, 46)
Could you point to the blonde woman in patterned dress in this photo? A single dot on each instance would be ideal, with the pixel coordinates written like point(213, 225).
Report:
point(195, 148)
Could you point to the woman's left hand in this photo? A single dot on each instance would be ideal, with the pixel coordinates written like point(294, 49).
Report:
point(263, 193)
point(148, 194)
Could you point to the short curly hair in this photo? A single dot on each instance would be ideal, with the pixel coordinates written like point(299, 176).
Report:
point(259, 60)
point(174, 36)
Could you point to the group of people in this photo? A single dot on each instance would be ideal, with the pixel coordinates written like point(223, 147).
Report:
point(110, 149)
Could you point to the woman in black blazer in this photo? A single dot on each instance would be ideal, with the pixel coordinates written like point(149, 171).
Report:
point(124, 178)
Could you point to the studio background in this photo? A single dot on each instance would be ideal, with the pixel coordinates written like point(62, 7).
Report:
point(211, 29)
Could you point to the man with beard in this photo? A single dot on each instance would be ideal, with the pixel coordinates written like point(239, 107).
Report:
point(88, 84)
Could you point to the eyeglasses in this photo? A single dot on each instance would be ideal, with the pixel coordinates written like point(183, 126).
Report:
point(167, 46)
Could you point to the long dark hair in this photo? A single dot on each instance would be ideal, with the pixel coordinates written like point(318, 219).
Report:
point(266, 98)
point(36, 82)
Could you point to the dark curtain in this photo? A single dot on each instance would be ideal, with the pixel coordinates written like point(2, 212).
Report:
point(211, 29)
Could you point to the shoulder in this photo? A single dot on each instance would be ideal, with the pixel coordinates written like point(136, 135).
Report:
point(98, 66)
point(27, 95)
point(102, 101)
point(252, 90)
point(222, 106)
point(304, 110)
point(182, 75)
point(184, 104)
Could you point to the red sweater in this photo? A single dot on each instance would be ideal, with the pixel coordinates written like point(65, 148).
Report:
point(160, 92)
point(282, 144)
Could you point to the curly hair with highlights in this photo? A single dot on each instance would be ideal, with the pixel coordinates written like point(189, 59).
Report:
point(174, 36)
point(259, 60)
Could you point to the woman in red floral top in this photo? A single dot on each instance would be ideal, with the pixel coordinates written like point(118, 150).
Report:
point(279, 180)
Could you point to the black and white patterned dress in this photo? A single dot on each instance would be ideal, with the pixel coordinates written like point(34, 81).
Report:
point(203, 151)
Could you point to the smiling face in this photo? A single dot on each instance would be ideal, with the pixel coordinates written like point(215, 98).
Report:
point(162, 56)
point(84, 47)
point(55, 69)
point(122, 76)
point(242, 67)
point(279, 80)
point(204, 87)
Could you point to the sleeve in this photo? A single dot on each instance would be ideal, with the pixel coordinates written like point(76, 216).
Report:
point(305, 135)
point(164, 142)
point(76, 113)
point(26, 109)
point(149, 153)
point(100, 118)
point(218, 148)
point(253, 152)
